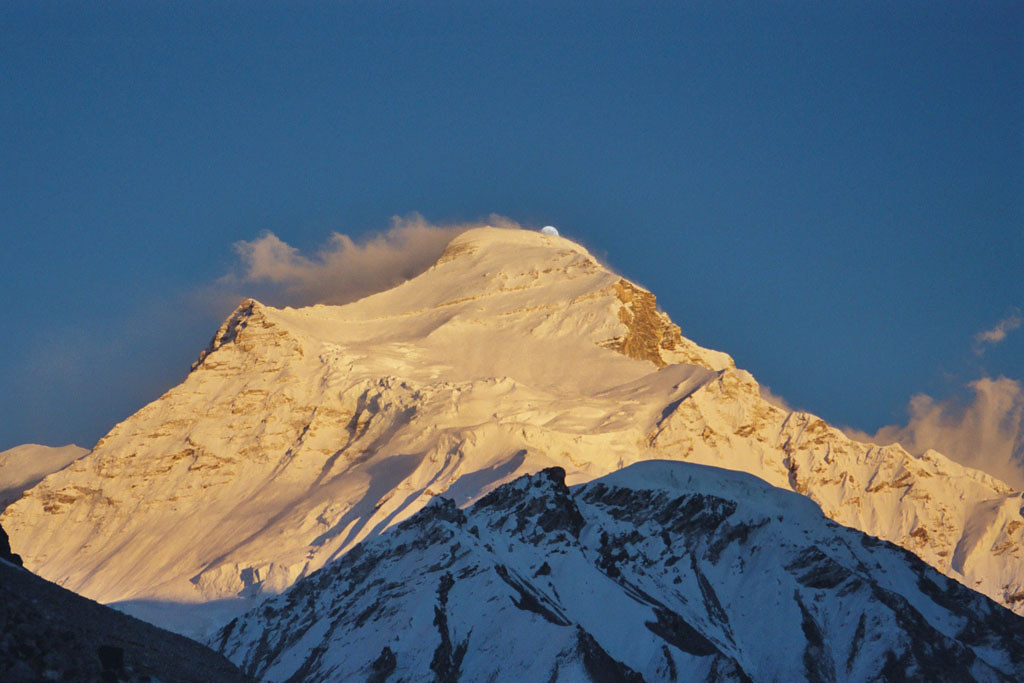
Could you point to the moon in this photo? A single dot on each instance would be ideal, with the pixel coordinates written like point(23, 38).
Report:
point(549, 230)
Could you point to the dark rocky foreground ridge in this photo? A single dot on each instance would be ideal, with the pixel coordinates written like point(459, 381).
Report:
point(663, 571)
point(48, 633)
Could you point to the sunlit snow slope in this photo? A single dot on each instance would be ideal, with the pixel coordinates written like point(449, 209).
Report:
point(300, 432)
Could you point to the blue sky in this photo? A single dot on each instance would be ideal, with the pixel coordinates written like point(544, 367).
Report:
point(833, 194)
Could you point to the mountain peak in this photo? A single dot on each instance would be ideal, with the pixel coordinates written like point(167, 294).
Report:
point(489, 237)
point(302, 431)
point(250, 315)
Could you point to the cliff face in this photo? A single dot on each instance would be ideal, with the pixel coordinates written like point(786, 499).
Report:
point(650, 335)
point(300, 432)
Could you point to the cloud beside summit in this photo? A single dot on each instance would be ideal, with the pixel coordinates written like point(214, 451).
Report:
point(343, 270)
point(986, 433)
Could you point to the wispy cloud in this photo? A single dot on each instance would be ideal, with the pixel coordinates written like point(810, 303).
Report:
point(773, 398)
point(998, 333)
point(344, 269)
point(986, 433)
point(74, 381)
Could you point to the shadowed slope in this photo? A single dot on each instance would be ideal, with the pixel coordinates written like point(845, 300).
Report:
point(662, 571)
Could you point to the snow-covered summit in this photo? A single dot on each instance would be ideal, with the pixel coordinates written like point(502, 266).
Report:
point(667, 476)
point(300, 432)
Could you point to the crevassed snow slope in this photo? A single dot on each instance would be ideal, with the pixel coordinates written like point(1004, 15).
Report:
point(22, 467)
point(662, 571)
point(300, 432)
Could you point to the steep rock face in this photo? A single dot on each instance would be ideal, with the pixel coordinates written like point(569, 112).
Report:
point(660, 572)
point(300, 432)
point(649, 332)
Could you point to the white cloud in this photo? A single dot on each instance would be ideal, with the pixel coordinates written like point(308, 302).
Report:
point(987, 433)
point(774, 399)
point(998, 333)
point(344, 269)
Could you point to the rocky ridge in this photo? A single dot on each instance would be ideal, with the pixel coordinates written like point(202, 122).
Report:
point(662, 571)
